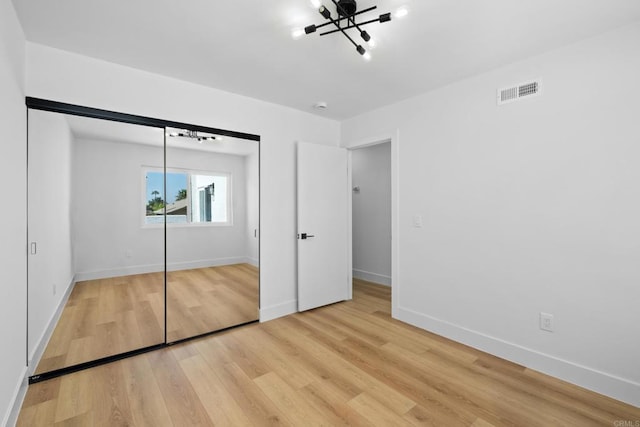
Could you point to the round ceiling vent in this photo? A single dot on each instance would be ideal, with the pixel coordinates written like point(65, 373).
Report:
point(320, 105)
point(347, 7)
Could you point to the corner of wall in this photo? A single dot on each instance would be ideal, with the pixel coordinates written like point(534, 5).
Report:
point(13, 227)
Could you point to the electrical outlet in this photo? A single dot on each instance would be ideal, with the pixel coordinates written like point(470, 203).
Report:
point(417, 221)
point(128, 253)
point(546, 322)
point(54, 289)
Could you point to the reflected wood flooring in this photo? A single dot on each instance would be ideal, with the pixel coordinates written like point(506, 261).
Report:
point(344, 364)
point(209, 299)
point(104, 317)
point(115, 315)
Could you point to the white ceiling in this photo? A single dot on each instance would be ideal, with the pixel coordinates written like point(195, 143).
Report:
point(245, 46)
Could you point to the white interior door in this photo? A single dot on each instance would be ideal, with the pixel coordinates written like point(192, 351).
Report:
point(323, 274)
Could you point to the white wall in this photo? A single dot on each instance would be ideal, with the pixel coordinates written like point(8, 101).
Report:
point(530, 207)
point(13, 218)
point(62, 76)
point(371, 213)
point(110, 239)
point(49, 221)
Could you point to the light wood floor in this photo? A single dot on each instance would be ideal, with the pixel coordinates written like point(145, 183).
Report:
point(111, 316)
point(344, 364)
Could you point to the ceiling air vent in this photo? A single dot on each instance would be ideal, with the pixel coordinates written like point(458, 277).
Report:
point(514, 93)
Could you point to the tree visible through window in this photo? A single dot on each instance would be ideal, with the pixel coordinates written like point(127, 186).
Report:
point(191, 198)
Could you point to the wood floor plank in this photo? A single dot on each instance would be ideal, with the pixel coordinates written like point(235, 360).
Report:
point(375, 412)
point(223, 410)
point(329, 399)
point(110, 391)
point(75, 397)
point(249, 361)
point(145, 397)
point(39, 414)
point(288, 368)
point(421, 416)
point(292, 404)
point(254, 402)
point(81, 420)
point(180, 398)
point(344, 364)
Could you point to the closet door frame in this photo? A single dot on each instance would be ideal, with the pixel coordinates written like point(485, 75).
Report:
point(96, 113)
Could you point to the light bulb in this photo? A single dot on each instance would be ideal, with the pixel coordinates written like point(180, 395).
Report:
point(324, 12)
point(316, 3)
point(401, 12)
point(372, 43)
point(367, 56)
point(297, 33)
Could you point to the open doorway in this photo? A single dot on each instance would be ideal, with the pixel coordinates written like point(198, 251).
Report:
point(371, 213)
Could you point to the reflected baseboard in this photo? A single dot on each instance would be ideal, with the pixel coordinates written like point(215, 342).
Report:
point(41, 345)
point(156, 268)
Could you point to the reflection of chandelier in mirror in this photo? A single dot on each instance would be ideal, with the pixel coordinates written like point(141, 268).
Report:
point(346, 11)
point(193, 135)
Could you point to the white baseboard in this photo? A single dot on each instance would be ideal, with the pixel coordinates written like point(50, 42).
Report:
point(278, 310)
point(253, 261)
point(583, 376)
point(372, 277)
point(154, 268)
point(43, 340)
point(11, 417)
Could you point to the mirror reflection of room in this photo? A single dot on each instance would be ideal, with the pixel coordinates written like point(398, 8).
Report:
point(212, 225)
point(97, 209)
point(84, 185)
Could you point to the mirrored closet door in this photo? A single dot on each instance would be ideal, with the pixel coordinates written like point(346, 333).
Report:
point(86, 241)
point(138, 236)
point(212, 212)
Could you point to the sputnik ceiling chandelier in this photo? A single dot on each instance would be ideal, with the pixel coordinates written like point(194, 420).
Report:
point(193, 135)
point(345, 19)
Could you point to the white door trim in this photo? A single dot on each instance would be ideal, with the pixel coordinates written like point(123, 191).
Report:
point(394, 138)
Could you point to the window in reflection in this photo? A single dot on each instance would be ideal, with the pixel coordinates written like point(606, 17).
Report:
point(191, 197)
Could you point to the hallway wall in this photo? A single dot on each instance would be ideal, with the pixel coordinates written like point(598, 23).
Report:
point(371, 212)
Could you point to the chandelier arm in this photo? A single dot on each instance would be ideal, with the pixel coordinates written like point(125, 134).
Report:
point(349, 37)
point(350, 26)
point(369, 9)
point(343, 31)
